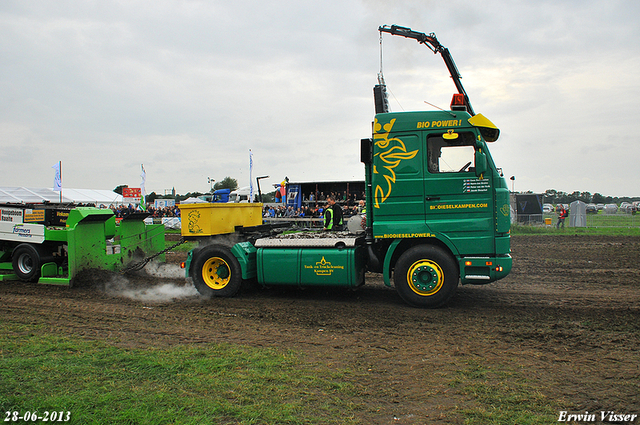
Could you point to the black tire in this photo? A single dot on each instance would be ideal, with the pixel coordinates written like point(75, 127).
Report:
point(26, 262)
point(426, 276)
point(216, 272)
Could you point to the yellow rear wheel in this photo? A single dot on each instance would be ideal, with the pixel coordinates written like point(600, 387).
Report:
point(216, 273)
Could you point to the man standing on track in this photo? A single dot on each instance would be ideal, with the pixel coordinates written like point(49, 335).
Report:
point(562, 214)
point(332, 215)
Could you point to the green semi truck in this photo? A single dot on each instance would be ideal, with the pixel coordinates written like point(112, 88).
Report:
point(437, 213)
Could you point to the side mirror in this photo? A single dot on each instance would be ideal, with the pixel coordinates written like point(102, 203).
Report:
point(366, 151)
point(481, 163)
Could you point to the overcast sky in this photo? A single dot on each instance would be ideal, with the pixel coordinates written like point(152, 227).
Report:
point(188, 87)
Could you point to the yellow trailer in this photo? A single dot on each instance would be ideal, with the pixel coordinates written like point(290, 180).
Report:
point(208, 219)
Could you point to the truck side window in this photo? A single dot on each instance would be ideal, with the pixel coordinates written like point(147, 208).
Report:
point(451, 156)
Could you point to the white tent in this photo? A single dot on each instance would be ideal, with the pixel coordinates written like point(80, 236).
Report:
point(24, 195)
point(193, 201)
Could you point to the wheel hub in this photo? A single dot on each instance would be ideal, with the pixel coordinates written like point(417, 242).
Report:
point(216, 273)
point(425, 277)
point(25, 263)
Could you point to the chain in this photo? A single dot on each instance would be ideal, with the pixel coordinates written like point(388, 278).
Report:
point(140, 265)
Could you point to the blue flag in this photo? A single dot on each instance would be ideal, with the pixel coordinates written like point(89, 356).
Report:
point(57, 179)
point(143, 192)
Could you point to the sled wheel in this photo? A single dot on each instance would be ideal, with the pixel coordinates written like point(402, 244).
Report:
point(216, 272)
point(426, 276)
point(26, 263)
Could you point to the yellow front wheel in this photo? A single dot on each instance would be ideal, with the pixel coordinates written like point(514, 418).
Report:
point(426, 276)
point(216, 272)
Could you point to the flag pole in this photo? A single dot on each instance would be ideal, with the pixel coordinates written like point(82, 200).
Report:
point(60, 166)
point(250, 176)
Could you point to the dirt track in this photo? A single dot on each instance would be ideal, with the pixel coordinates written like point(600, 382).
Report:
point(566, 322)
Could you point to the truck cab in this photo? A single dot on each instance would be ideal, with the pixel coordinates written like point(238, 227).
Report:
point(240, 195)
point(220, 195)
point(437, 208)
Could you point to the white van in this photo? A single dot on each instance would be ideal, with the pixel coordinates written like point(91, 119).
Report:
point(240, 195)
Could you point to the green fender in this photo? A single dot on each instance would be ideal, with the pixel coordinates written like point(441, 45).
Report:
point(386, 271)
point(244, 252)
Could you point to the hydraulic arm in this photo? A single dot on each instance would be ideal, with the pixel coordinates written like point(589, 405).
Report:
point(432, 43)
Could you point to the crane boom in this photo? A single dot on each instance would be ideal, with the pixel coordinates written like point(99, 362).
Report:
point(432, 43)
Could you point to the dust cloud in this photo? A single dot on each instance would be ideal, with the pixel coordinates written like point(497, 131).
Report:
point(163, 289)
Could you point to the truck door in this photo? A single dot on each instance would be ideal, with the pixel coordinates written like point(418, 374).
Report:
point(458, 203)
point(397, 185)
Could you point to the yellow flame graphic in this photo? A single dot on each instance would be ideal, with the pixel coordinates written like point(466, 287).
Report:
point(391, 158)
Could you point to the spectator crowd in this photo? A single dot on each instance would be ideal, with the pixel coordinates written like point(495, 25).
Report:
point(314, 206)
point(123, 210)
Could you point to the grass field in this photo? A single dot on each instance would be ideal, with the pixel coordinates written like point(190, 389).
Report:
point(597, 224)
point(101, 384)
point(93, 382)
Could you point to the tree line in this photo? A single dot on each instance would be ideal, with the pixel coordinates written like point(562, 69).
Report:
point(226, 183)
point(552, 196)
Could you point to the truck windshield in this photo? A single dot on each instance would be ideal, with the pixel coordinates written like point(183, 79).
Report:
point(451, 155)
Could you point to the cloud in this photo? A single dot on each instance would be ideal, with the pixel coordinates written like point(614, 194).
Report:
point(188, 88)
